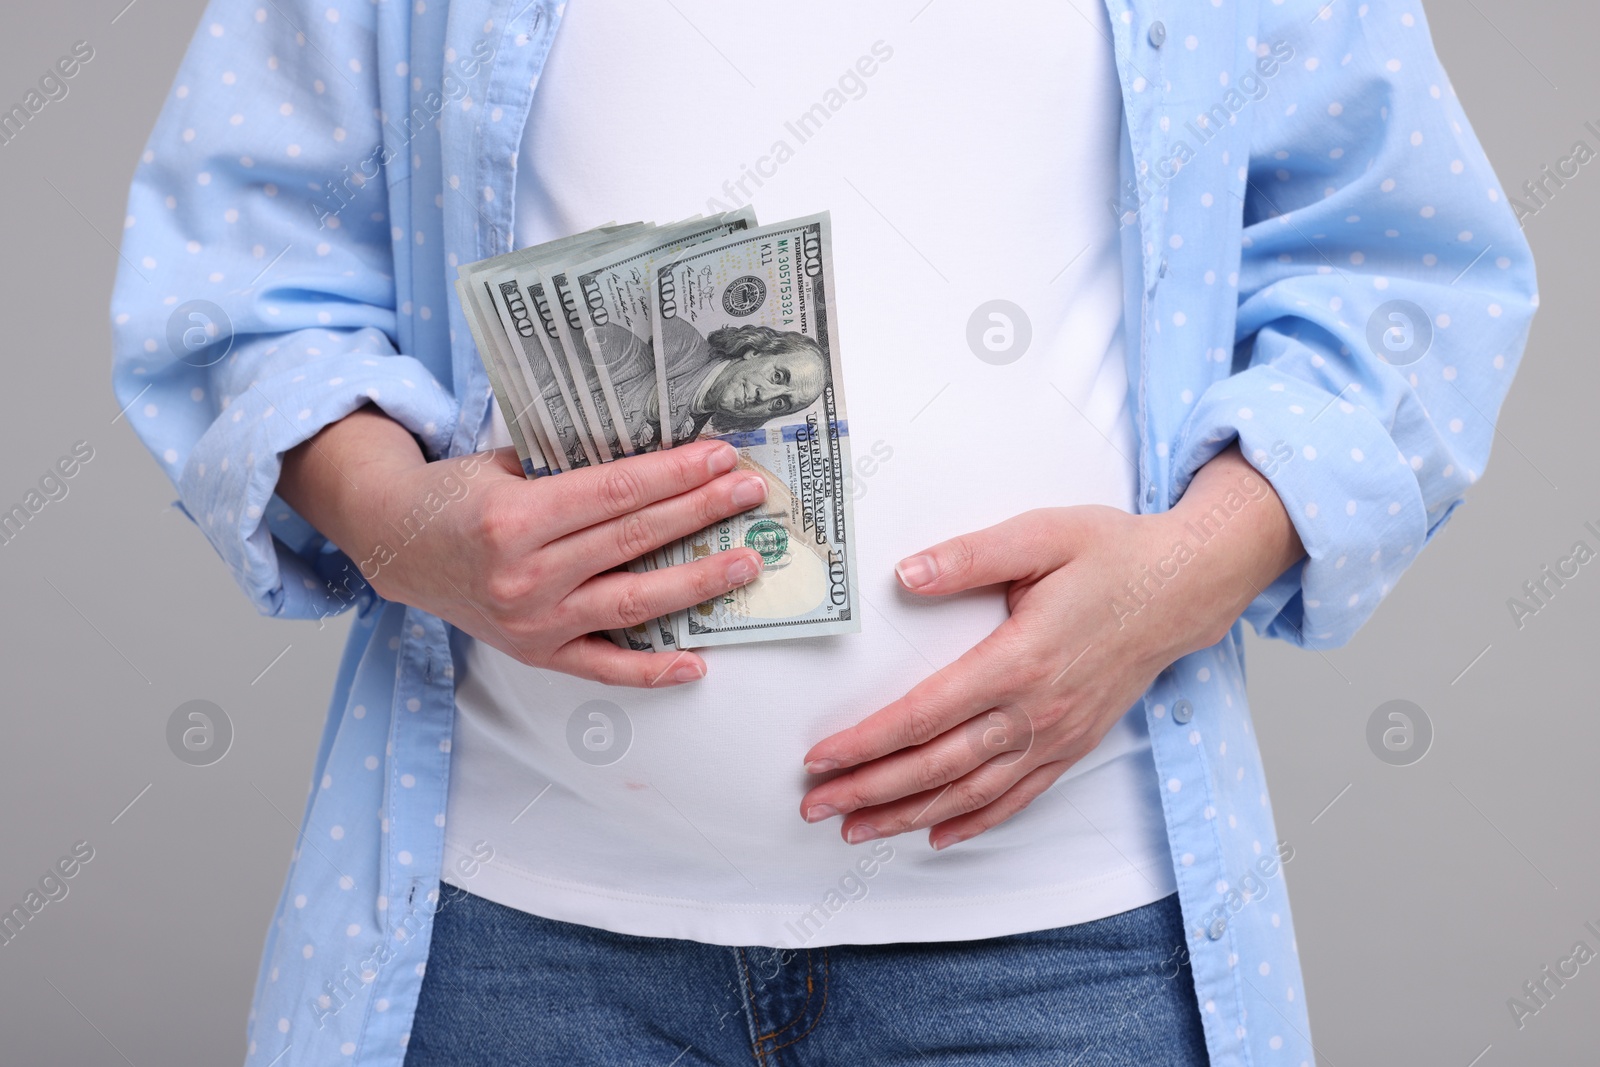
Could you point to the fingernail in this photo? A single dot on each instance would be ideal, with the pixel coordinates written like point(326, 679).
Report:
point(916, 572)
point(818, 812)
point(818, 766)
point(860, 832)
point(742, 571)
point(722, 458)
point(690, 672)
point(749, 492)
point(945, 841)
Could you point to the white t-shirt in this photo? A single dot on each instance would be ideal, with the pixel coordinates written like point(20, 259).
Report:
point(965, 159)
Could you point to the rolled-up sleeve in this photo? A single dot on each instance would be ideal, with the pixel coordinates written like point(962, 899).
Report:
point(1385, 296)
point(255, 300)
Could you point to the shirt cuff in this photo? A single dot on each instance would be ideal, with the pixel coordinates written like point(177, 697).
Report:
point(1352, 495)
point(228, 483)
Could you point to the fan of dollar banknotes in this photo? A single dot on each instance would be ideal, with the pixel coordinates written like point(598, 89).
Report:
point(629, 338)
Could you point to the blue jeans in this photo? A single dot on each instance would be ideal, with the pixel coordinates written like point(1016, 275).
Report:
point(505, 988)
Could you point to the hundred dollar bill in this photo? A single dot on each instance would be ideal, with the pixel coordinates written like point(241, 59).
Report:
point(504, 371)
point(550, 291)
point(518, 305)
point(527, 420)
point(509, 379)
point(569, 341)
point(557, 408)
point(746, 343)
point(575, 339)
point(557, 405)
point(530, 451)
point(558, 365)
point(612, 310)
point(552, 297)
point(608, 326)
point(599, 410)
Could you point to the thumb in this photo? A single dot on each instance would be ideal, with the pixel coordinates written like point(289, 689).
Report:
point(1024, 547)
point(503, 458)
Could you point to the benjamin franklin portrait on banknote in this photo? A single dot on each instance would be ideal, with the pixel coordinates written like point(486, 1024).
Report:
point(739, 378)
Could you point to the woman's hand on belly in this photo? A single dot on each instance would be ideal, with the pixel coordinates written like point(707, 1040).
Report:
point(526, 566)
point(1101, 602)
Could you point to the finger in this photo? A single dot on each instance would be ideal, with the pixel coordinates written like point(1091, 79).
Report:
point(599, 660)
point(619, 599)
point(940, 702)
point(594, 494)
point(998, 736)
point(502, 459)
point(966, 826)
point(615, 541)
point(1026, 546)
point(969, 793)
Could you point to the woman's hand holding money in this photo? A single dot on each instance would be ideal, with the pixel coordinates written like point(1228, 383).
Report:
point(526, 566)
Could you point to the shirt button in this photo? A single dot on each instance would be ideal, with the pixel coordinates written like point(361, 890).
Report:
point(1158, 34)
point(1182, 712)
point(1162, 271)
point(1219, 926)
point(1150, 495)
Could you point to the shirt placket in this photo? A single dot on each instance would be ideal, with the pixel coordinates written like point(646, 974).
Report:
point(1138, 41)
point(477, 214)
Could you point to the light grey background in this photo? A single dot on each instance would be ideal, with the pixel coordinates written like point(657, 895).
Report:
point(1425, 895)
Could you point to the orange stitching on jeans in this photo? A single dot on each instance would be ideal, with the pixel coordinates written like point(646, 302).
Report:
point(801, 1014)
point(820, 1008)
point(756, 1048)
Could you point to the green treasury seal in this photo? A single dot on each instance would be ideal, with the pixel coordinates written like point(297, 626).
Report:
point(768, 538)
